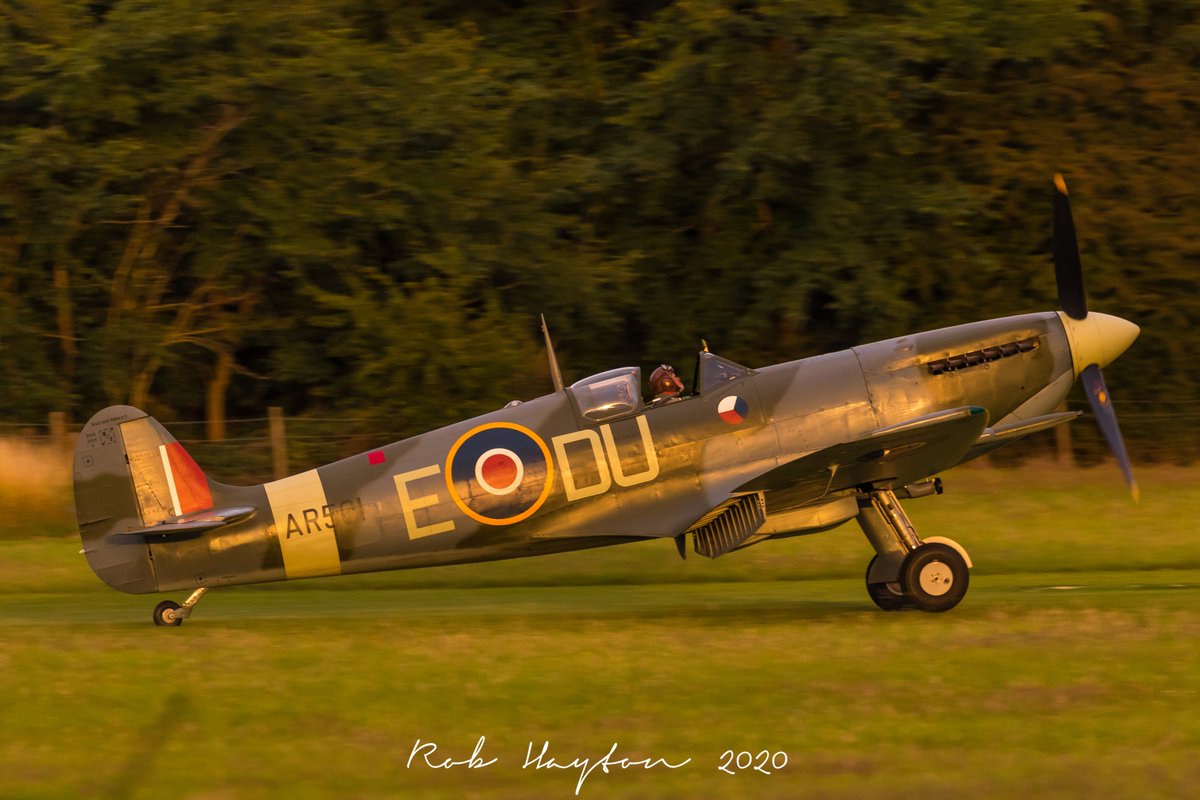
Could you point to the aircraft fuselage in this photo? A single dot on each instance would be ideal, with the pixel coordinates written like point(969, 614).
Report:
point(584, 484)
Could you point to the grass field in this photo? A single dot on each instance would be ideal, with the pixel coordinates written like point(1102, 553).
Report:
point(1072, 669)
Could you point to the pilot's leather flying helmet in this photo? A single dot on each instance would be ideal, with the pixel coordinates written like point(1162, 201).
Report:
point(664, 381)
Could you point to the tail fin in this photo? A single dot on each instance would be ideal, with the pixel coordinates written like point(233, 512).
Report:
point(130, 474)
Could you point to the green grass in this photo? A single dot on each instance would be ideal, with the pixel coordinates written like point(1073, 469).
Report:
point(1024, 690)
point(320, 689)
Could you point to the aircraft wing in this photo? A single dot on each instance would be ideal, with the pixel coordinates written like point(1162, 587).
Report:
point(188, 526)
point(893, 456)
point(995, 438)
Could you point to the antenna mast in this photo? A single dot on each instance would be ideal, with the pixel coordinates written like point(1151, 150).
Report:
point(555, 372)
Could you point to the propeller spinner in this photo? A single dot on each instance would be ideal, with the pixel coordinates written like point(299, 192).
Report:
point(1096, 339)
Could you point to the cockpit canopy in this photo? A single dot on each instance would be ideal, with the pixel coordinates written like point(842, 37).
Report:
point(618, 392)
point(609, 395)
point(713, 371)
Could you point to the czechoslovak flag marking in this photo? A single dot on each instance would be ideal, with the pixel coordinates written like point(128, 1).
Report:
point(733, 409)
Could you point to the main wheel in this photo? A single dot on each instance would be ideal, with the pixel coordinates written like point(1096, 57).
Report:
point(164, 613)
point(888, 596)
point(935, 577)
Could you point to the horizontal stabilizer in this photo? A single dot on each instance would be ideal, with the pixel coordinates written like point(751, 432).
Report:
point(188, 526)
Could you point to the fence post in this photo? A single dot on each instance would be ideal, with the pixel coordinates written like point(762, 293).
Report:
point(58, 430)
point(278, 442)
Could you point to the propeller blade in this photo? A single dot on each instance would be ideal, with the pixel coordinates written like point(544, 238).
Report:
point(1106, 418)
point(1067, 269)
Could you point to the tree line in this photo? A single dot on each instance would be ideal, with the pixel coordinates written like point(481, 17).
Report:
point(208, 208)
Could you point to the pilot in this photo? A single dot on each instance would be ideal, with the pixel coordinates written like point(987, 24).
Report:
point(665, 384)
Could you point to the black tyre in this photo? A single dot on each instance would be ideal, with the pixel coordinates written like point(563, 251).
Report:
point(888, 596)
point(935, 577)
point(164, 613)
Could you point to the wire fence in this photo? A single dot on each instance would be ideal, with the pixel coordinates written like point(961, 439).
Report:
point(250, 453)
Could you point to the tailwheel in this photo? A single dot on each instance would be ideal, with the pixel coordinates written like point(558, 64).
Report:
point(888, 596)
point(167, 613)
point(934, 577)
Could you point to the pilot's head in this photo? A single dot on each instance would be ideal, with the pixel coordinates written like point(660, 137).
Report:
point(664, 382)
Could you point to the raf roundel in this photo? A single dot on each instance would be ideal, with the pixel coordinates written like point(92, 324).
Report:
point(733, 409)
point(499, 473)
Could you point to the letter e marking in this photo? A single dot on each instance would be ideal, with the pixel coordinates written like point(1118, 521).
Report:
point(410, 504)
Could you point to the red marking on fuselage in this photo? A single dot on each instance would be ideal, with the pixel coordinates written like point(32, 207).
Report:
point(499, 470)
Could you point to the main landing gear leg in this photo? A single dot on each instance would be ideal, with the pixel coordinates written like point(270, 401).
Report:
point(906, 572)
point(168, 612)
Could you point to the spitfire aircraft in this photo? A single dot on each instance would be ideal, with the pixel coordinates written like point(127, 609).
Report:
point(751, 454)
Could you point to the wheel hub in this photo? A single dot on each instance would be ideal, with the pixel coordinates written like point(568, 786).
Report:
point(936, 578)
